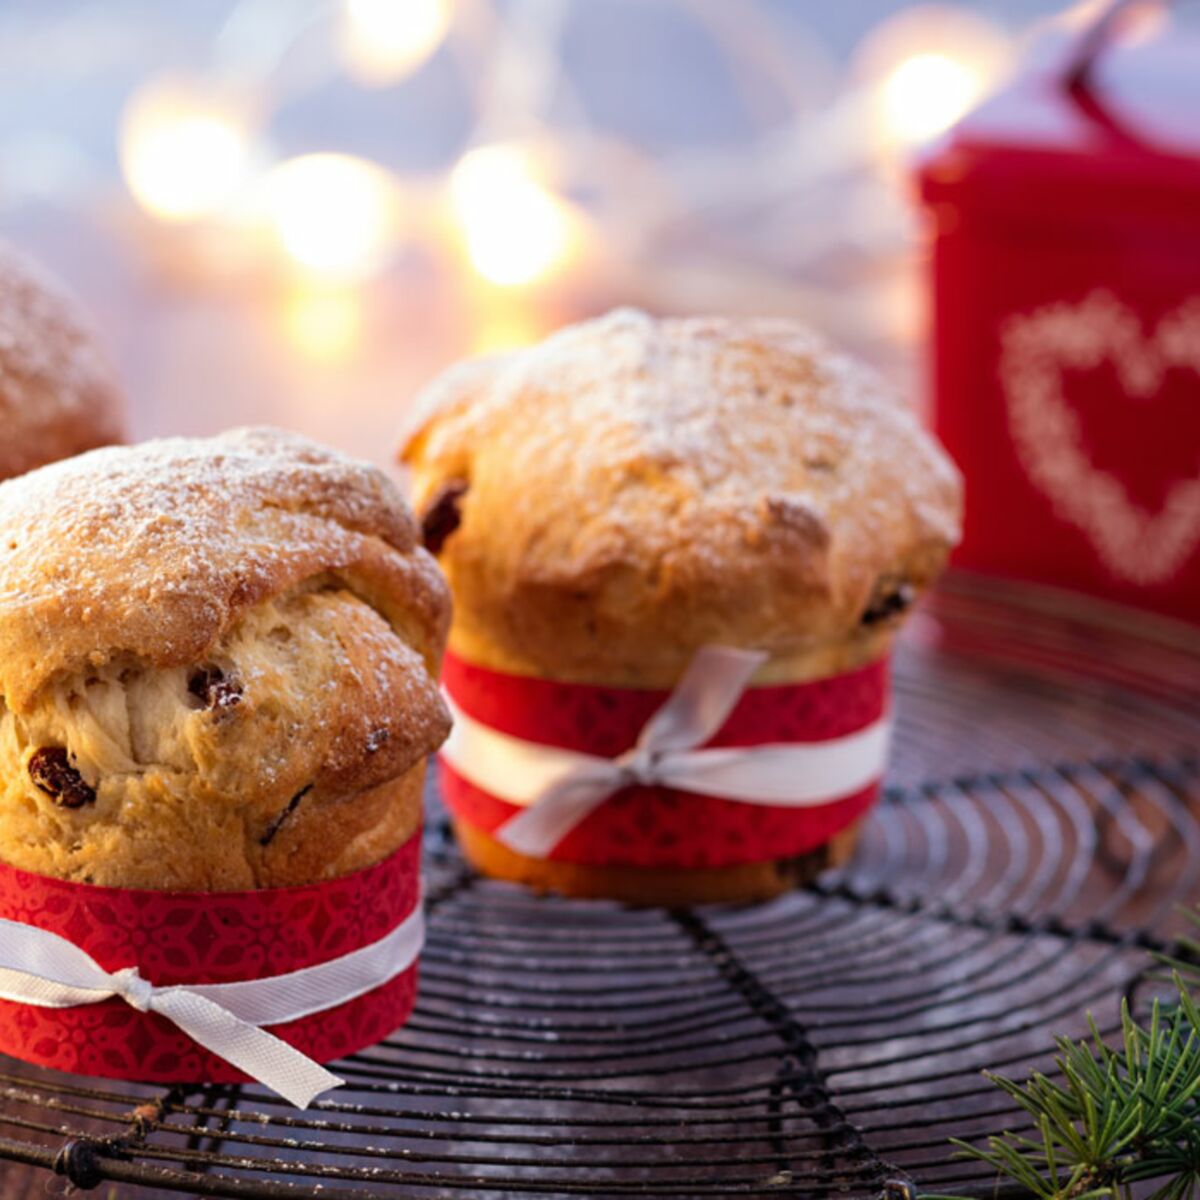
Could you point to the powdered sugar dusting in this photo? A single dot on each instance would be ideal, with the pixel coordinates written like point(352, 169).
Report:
point(155, 549)
point(644, 434)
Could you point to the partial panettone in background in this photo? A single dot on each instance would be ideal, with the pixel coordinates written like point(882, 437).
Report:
point(58, 392)
point(218, 665)
point(633, 489)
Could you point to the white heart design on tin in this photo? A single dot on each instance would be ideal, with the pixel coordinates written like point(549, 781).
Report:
point(1036, 348)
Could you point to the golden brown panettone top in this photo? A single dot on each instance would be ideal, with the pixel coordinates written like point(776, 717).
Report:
point(214, 654)
point(633, 488)
point(58, 393)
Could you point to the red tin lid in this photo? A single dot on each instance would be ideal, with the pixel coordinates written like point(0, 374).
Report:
point(1122, 140)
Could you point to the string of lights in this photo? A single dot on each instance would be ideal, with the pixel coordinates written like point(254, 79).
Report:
point(739, 226)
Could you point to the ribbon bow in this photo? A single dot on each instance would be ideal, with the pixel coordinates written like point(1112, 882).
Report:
point(557, 788)
point(41, 968)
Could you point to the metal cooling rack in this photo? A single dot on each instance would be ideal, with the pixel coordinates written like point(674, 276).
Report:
point(1039, 831)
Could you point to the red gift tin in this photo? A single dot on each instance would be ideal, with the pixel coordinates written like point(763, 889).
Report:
point(1065, 220)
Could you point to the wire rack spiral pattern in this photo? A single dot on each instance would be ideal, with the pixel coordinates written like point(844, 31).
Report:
point(1041, 828)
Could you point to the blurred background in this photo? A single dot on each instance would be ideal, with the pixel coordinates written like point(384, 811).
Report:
point(297, 211)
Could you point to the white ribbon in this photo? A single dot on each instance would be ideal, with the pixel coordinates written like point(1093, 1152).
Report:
point(41, 968)
point(558, 788)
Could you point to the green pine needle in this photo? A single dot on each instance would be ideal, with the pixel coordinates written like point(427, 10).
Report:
point(1117, 1115)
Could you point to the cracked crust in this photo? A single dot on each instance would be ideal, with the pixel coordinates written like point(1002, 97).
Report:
point(58, 392)
point(634, 488)
point(236, 641)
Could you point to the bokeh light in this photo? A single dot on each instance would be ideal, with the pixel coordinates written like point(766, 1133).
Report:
point(515, 230)
point(184, 155)
point(324, 322)
point(498, 327)
point(382, 41)
point(925, 68)
point(927, 93)
point(334, 215)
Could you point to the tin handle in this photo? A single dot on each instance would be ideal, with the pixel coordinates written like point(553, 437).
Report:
point(1095, 38)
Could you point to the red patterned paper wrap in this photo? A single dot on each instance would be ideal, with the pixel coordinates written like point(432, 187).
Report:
point(206, 937)
point(660, 826)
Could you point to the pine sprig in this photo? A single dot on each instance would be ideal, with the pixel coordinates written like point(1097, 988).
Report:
point(1117, 1115)
point(1187, 967)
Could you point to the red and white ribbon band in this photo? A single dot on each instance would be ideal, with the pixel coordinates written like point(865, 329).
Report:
point(558, 788)
point(41, 968)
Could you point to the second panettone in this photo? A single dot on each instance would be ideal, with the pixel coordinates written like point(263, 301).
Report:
point(614, 501)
